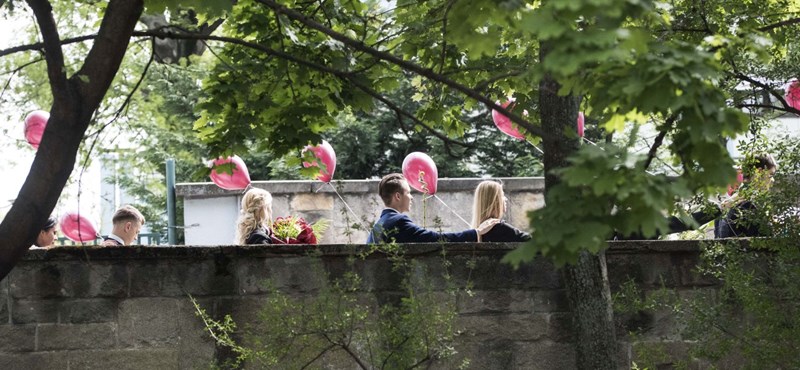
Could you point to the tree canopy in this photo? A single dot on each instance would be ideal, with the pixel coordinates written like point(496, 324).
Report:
point(285, 70)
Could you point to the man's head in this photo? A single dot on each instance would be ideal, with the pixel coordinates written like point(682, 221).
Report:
point(760, 169)
point(395, 192)
point(127, 223)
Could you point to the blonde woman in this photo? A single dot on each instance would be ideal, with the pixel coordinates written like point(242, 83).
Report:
point(255, 218)
point(490, 202)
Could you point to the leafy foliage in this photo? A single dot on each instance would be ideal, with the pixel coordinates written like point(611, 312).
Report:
point(753, 317)
point(339, 323)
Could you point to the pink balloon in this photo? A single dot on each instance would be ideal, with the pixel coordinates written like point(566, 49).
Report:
point(580, 124)
point(793, 94)
point(420, 172)
point(35, 122)
point(237, 180)
point(504, 123)
point(325, 154)
point(78, 228)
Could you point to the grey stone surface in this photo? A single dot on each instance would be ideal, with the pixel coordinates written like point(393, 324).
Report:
point(68, 279)
point(34, 360)
point(301, 274)
point(149, 322)
point(132, 301)
point(51, 337)
point(5, 312)
point(496, 301)
point(543, 355)
point(17, 338)
point(177, 278)
point(196, 348)
point(31, 311)
point(515, 327)
point(124, 359)
point(94, 310)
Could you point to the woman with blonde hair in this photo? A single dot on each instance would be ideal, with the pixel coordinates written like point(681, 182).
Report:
point(490, 202)
point(255, 218)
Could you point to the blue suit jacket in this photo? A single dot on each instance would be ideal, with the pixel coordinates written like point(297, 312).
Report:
point(395, 226)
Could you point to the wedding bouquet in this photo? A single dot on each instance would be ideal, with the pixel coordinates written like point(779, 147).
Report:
point(295, 230)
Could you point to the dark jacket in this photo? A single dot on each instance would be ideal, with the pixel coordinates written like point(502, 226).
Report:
point(503, 232)
point(740, 221)
point(259, 236)
point(395, 226)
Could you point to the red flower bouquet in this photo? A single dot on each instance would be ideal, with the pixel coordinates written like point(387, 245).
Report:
point(295, 230)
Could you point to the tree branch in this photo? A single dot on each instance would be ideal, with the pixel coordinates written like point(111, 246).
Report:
point(773, 26)
point(658, 141)
point(769, 106)
point(769, 89)
point(53, 54)
point(40, 45)
point(409, 66)
point(107, 50)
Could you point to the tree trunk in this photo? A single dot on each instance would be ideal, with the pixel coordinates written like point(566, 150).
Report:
point(586, 281)
point(74, 101)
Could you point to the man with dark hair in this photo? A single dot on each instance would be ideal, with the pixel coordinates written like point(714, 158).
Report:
point(742, 218)
point(128, 221)
point(395, 226)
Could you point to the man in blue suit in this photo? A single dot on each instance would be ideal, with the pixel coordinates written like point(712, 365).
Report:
point(395, 226)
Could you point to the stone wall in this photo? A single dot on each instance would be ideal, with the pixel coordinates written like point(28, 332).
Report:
point(128, 308)
point(210, 212)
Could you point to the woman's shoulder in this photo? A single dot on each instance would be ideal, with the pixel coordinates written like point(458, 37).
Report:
point(259, 236)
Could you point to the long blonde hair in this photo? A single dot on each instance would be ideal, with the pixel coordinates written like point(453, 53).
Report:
point(256, 212)
point(488, 202)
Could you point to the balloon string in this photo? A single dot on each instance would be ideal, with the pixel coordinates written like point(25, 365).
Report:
point(345, 203)
point(603, 149)
point(451, 210)
point(246, 188)
point(536, 147)
point(424, 216)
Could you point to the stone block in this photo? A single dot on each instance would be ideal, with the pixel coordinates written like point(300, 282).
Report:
point(177, 278)
point(648, 270)
point(296, 274)
point(68, 279)
point(17, 338)
point(666, 355)
point(196, 348)
point(33, 360)
point(124, 359)
point(514, 327)
point(148, 322)
point(484, 355)
point(518, 206)
point(488, 273)
point(54, 337)
point(496, 301)
point(559, 328)
point(31, 311)
point(242, 309)
point(550, 301)
point(77, 311)
point(312, 202)
point(543, 355)
point(5, 313)
point(686, 265)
